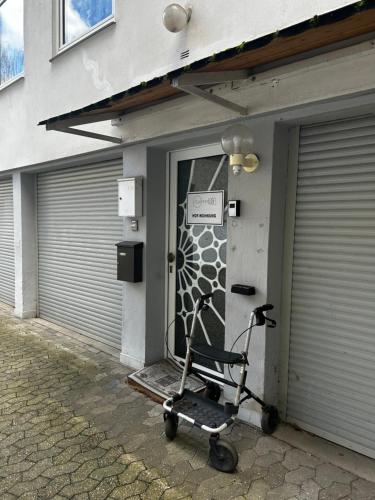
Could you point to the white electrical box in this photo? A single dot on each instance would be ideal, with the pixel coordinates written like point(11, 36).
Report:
point(130, 197)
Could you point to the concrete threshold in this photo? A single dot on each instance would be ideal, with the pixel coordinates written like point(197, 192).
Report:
point(349, 460)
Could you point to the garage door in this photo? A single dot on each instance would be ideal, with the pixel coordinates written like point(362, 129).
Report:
point(78, 228)
point(6, 242)
point(332, 346)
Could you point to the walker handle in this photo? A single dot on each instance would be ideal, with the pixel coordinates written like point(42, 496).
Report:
point(266, 307)
point(207, 296)
point(260, 317)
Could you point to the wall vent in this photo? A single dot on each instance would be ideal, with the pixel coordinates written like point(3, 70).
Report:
point(185, 54)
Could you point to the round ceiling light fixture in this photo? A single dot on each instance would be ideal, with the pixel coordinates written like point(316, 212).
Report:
point(176, 17)
point(238, 142)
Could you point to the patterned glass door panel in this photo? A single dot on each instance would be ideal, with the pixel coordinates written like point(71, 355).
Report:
point(201, 257)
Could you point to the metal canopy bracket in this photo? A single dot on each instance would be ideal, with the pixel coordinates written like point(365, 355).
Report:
point(67, 126)
point(191, 84)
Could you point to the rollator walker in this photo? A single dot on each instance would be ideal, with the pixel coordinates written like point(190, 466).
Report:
point(202, 409)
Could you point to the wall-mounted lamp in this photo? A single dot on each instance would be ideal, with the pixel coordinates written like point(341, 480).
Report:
point(176, 18)
point(237, 142)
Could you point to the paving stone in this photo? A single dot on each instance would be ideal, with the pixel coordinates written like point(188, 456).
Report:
point(258, 490)
point(76, 430)
point(15, 468)
point(206, 487)
point(246, 459)
point(131, 473)
point(298, 476)
point(363, 490)
point(27, 486)
point(68, 442)
point(50, 441)
point(176, 493)
point(54, 487)
point(36, 456)
point(59, 470)
point(107, 441)
point(110, 470)
point(179, 474)
point(81, 496)
point(31, 495)
point(326, 474)
point(104, 488)
point(13, 438)
point(276, 475)
point(309, 490)
point(37, 469)
point(269, 444)
point(92, 454)
point(335, 492)
point(84, 470)
point(236, 488)
point(283, 492)
point(294, 458)
point(79, 487)
point(269, 459)
point(155, 490)
point(111, 456)
point(129, 490)
point(67, 455)
point(199, 460)
point(93, 441)
point(8, 482)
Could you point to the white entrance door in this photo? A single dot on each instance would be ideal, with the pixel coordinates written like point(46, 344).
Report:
point(197, 253)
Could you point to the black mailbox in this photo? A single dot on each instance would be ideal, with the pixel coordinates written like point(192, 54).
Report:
point(129, 261)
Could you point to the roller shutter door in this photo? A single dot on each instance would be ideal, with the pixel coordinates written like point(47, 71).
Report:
point(6, 242)
point(78, 228)
point(332, 346)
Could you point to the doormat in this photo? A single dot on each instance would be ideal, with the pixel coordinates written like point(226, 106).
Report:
point(162, 380)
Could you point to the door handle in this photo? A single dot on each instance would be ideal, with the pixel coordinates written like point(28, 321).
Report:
point(171, 257)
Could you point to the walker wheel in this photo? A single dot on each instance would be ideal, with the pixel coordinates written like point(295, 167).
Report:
point(270, 419)
point(171, 425)
point(223, 456)
point(212, 391)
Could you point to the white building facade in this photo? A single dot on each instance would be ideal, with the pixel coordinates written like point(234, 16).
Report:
point(152, 104)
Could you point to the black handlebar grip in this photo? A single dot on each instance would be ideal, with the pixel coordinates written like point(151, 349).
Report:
point(266, 307)
point(202, 301)
point(207, 296)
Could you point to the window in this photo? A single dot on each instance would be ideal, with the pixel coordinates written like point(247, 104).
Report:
point(11, 39)
point(81, 16)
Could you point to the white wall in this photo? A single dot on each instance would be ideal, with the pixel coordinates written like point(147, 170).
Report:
point(133, 50)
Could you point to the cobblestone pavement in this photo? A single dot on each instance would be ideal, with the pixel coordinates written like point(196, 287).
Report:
point(71, 427)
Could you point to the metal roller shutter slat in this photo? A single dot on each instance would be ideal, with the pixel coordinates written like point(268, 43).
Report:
point(78, 228)
point(331, 388)
point(6, 242)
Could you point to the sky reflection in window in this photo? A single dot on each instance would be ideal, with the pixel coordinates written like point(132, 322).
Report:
point(11, 39)
point(81, 15)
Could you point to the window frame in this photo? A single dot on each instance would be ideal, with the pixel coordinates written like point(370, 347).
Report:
point(21, 75)
point(61, 45)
